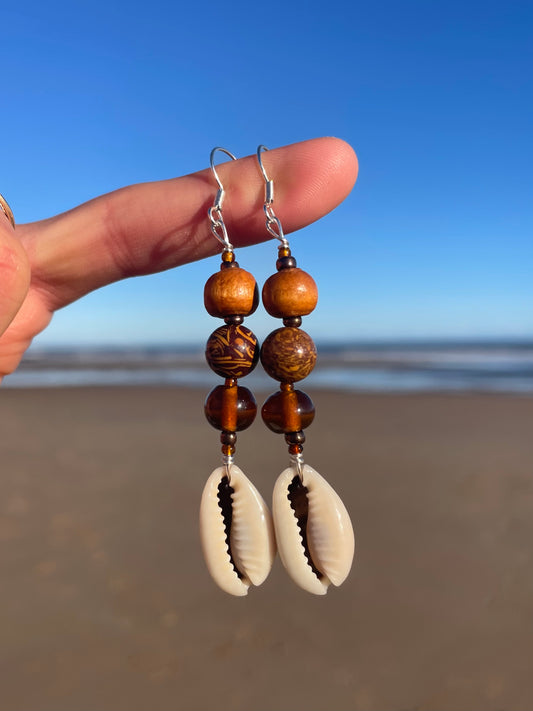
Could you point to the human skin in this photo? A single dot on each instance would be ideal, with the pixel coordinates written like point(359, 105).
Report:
point(150, 227)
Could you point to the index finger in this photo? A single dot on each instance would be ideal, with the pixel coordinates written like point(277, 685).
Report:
point(151, 227)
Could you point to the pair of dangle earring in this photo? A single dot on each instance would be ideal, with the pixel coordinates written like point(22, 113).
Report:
point(311, 526)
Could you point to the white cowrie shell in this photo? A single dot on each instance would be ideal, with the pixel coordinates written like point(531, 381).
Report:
point(328, 531)
point(252, 545)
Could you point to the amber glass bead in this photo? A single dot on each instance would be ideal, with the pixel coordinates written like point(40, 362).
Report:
point(231, 291)
point(288, 354)
point(230, 409)
point(232, 351)
point(288, 411)
point(290, 292)
point(295, 449)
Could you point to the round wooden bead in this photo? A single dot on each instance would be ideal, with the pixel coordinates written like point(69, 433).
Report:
point(288, 411)
point(290, 292)
point(227, 437)
point(231, 291)
point(288, 354)
point(230, 409)
point(294, 437)
point(232, 351)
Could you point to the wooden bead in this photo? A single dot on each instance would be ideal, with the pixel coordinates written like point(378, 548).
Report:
point(295, 437)
point(290, 292)
point(295, 321)
point(286, 263)
point(228, 437)
point(235, 320)
point(230, 409)
point(288, 354)
point(231, 291)
point(232, 351)
point(288, 411)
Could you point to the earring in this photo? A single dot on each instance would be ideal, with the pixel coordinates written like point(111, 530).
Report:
point(314, 533)
point(236, 528)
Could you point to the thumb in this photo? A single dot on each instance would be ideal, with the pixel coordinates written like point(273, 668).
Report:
point(14, 270)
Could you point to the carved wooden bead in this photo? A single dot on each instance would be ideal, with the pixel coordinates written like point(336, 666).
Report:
point(232, 351)
point(230, 409)
point(231, 291)
point(288, 354)
point(290, 292)
point(288, 411)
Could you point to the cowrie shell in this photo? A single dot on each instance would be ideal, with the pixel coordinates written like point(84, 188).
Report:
point(236, 531)
point(313, 530)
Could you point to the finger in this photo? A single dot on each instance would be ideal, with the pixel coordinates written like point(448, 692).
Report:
point(14, 274)
point(151, 227)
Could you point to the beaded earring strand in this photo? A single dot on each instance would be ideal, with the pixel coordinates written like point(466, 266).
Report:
point(236, 528)
point(314, 533)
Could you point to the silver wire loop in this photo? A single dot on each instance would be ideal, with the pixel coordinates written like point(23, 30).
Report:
point(297, 461)
point(218, 228)
point(227, 461)
point(273, 224)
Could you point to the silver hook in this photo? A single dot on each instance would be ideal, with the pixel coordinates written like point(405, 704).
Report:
point(265, 176)
point(218, 228)
point(273, 224)
point(212, 161)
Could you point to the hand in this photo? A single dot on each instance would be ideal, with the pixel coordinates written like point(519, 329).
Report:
point(151, 227)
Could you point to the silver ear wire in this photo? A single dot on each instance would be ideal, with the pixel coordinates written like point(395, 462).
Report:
point(273, 224)
point(218, 228)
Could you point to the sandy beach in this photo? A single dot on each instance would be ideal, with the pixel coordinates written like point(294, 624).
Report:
point(106, 603)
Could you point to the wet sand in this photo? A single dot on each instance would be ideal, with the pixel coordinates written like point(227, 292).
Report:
point(106, 603)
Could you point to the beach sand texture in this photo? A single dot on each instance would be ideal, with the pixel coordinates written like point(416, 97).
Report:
point(106, 603)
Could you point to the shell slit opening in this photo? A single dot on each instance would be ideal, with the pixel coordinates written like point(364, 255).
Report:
point(298, 500)
point(225, 503)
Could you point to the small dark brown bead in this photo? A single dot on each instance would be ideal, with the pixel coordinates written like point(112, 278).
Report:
point(234, 320)
point(230, 409)
point(231, 291)
point(288, 411)
point(294, 321)
point(290, 292)
point(228, 438)
point(232, 351)
point(295, 437)
point(288, 354)
point(285, 263)
point(295, 449)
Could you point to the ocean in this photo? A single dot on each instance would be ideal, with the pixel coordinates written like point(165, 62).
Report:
point(495, 366)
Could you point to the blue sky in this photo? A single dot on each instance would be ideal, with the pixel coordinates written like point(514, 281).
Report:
point(436, 240)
